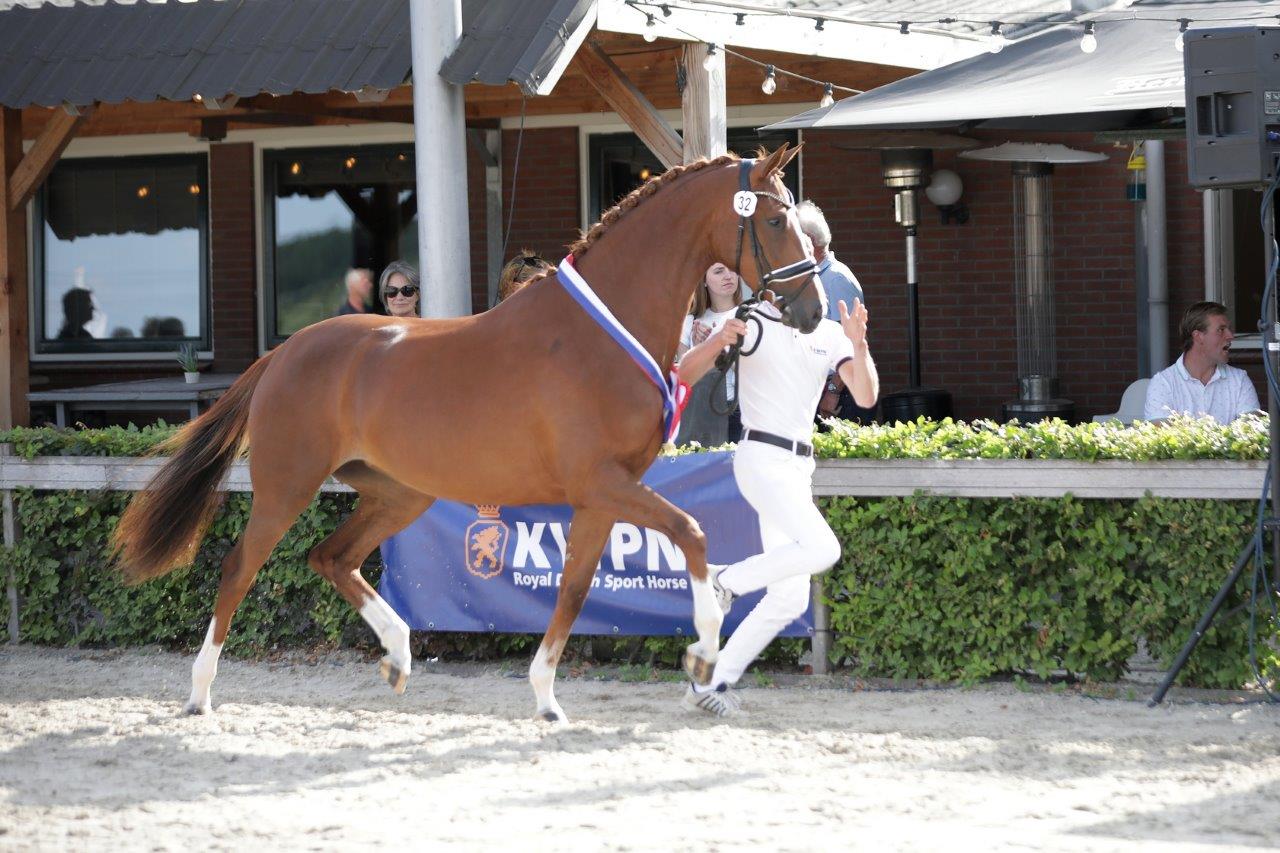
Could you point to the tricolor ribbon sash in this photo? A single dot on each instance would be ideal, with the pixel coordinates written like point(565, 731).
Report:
point(674, 392)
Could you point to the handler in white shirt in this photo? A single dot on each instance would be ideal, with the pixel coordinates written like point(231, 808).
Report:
point(779, 383)
point(1201, 382)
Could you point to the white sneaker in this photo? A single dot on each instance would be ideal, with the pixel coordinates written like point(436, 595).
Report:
point(721, 702)
point(724, 597)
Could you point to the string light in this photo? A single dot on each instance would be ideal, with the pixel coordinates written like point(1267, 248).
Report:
point(770, 84)
point(709, 61)
point(741, 19)
point(1088, 41)
point(828, 99)
point(997, 41)
point(650, 28)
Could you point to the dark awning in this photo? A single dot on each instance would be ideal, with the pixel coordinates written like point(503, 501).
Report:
point(1134, 78)
point(52, 55)
point(526, 41)
point(79, 54)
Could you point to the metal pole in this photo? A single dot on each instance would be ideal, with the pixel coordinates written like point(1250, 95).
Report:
point(1157, 256)
point(821, 644)
point(441, 152)
point(1271, 353)
point(11, 539)
point(913, 309)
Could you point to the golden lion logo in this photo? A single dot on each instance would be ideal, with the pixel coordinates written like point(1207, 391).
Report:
point(486, 540)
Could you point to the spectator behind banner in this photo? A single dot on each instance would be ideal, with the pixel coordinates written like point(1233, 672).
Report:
point(840, 284)
point(359, 284)
point(398, 288)
point(525, 266)
point(1200, 382)
point(715, 299)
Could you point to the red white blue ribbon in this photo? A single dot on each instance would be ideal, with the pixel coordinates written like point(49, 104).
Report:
point(674, 392)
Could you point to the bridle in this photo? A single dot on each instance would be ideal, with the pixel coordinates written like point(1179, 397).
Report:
point(744, 204)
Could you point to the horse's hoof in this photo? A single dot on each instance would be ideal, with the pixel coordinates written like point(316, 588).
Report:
point(195, 709)
point(552, 715)
point(698, 668)
point(394, 675)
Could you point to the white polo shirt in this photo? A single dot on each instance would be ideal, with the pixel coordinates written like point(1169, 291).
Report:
point(1228, 394)
point(780, 382)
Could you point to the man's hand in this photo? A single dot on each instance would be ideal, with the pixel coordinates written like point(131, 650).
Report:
point(732, 332)
point(698, 360)
point(855, 325)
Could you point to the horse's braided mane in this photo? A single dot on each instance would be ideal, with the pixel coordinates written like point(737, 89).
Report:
point(639, 194)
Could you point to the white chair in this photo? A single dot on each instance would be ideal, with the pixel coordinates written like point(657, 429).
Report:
point(1132, 403)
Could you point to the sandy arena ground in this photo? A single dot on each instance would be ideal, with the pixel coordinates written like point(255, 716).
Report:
point(94, 755)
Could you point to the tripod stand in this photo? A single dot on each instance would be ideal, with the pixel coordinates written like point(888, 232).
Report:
point(1270, 523)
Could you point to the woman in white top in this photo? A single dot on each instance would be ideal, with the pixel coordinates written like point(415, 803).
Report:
point(714, 301)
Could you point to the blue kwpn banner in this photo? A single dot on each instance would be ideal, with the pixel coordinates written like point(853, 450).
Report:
point(460, 567)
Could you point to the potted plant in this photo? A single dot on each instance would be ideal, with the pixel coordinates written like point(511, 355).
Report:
point(189, 361)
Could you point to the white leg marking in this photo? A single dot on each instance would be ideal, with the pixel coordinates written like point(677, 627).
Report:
point(542, 676)
point(391, 631)
point(203, 672)
point(707, 619)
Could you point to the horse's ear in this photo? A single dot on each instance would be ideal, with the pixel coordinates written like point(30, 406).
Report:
point(778, 160)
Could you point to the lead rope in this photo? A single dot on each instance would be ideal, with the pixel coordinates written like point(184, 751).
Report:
point(727, 360)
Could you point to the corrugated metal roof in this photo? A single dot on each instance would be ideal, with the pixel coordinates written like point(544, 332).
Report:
point(55, 54)
point(518, 40)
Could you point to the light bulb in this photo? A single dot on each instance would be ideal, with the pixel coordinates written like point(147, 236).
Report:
point(770, 84)
point(1088, 42)
point(827, 97)
point(650, 30)
point(997, 41)
point(1177, 43)
point(709, 61)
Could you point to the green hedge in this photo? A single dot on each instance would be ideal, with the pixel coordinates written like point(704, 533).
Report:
point(929, 587)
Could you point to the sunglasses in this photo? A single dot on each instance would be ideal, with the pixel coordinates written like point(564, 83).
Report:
point(408, 290)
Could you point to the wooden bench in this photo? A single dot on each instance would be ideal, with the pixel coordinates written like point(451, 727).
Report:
point(143, 394)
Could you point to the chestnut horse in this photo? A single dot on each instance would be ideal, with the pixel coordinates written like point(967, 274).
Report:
point(529, 403)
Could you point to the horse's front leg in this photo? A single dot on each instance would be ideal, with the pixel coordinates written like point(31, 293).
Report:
point(587, 535)
point(638, 504)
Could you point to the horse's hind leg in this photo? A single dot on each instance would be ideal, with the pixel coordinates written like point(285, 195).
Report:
point(385, 507)
point(587, 535)
point(270, 516)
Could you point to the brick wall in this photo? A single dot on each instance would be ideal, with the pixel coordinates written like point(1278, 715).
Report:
point(967, 316)
point(233, 271)
point(545, 218)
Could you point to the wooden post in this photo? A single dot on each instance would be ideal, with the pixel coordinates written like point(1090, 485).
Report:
point(14, 362)
point(493, 210)
point(630, 104)
point(703, 104)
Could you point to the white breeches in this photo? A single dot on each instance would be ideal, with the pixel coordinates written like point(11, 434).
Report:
point(797, 544)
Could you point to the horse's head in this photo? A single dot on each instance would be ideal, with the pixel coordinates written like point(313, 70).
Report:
point(772, 254)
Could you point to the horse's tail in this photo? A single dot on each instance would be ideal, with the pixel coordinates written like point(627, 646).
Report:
point(163, 525)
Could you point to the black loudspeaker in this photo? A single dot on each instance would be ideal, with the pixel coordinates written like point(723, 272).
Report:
point(1233, 106)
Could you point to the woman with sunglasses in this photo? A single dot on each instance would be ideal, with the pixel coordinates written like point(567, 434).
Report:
point(399, 289)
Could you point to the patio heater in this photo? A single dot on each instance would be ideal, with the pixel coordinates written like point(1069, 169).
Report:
point(1033, 165)
point(906, 159)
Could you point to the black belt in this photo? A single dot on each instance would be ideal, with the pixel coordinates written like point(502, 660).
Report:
point(799, 448)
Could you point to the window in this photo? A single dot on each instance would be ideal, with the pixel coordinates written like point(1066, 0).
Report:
point(620, 162)
point(329, 210)
point(1235, 267)
point(121, 256)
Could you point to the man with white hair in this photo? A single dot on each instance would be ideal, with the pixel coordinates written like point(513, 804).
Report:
point(840, 285)
point(359, 288)
point(837, 279)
